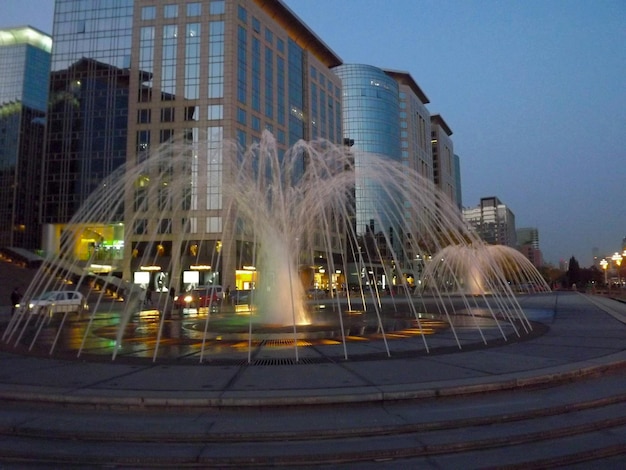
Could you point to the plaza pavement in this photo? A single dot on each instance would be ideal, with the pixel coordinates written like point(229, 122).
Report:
point(237, 415)
point(586, 335)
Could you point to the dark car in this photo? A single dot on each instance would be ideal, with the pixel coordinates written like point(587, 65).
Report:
point(243, 296)
point(200, 297)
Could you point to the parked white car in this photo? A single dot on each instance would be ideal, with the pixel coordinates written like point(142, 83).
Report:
point(58, 301)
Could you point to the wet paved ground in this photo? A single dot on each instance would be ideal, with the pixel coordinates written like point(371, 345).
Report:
point(229, 334)
point(584, 334)
point(255, 405)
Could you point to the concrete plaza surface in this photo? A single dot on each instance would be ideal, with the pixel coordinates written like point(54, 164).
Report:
point(554, 398)
point(584, 335)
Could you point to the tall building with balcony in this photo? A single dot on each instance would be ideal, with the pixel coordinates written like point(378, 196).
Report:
point(24, 68)
point(131, 78)
point(493, 221)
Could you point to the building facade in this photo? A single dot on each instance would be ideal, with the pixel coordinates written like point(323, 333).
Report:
point(493, 221)
point(135, 78)
point(371, 109)
point(444, 160)
point(528, 244)
point(24, 67)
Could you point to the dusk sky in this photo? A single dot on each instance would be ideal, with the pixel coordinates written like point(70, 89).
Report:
point(534, 92)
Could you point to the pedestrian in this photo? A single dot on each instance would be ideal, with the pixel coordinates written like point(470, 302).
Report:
point(172, 294)
point(16, 296)
point(148, 298)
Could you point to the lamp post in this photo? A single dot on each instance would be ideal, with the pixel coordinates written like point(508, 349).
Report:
point(617, 258)
point(605, 265)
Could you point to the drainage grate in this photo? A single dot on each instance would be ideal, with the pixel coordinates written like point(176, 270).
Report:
point(283, 361)
point(284, 342)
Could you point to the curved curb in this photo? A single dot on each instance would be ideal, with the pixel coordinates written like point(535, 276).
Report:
point(355, 395)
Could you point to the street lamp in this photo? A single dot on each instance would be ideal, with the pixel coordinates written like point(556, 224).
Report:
point(617, 258)
point(605, 265)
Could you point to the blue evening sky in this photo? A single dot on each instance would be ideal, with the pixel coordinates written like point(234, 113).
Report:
point(534, 92)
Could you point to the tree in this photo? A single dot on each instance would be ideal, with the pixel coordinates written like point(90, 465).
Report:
point(573, 272)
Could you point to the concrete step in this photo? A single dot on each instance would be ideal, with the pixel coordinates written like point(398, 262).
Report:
point(565, 424)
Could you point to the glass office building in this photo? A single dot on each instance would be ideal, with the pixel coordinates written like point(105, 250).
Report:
point(24, 66)
point(371, 110)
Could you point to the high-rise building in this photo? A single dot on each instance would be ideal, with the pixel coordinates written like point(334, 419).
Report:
point(371, 97)
point(457, 181)
point(493, 221)
point(86, 134)
point(528, 244)
point(130, 77)
point(24, 68)
point(444, 161)
point(528, 236)
point(414, 120)
point(384, 113)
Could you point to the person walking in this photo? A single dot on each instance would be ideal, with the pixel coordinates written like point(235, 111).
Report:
point(16, 296)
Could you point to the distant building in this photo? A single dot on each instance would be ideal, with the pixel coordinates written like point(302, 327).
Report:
point(24, 70)
point(528, 236)
point(493, 221)
point(528, 244)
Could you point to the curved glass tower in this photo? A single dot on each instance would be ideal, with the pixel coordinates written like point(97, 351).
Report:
point(371, 107)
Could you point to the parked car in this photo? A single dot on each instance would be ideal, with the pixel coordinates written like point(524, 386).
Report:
point(58, 301)
point(202, 296)
point(316, 293)
point(241, 296)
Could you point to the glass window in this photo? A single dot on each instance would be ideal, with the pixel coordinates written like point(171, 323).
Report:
point(165, 226)
point(140, 226)
point(242, 14)
point(241, 116)
point(143, 116)
point(194, 9)
point(170, 31)
point(165, 135)
point(215, 111)
point(167, 114)
point(256, 123)
point(170, 11)
point(217, 7)
point(148, 13)
point(143, 144)
point(256, 24)
point(213, 224)
point(241, 138)
point(192, 113)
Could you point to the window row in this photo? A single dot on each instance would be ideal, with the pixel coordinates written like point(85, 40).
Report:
point(190, 113)
point(216, 7)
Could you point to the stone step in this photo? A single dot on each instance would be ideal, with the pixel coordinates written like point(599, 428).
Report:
point(521, 428)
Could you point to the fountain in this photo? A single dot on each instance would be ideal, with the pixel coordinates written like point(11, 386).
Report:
point(370, 224)
point(482, 269)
